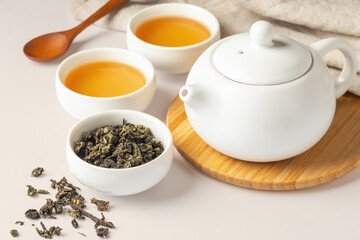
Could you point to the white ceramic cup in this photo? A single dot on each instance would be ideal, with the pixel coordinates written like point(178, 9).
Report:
point(123, 181)
point(172, 59)
point(81, 106)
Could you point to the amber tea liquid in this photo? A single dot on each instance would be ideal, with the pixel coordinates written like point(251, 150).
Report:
point(172, 31)
point(105, 79)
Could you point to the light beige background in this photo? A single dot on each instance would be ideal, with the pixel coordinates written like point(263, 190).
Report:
point(185, 205)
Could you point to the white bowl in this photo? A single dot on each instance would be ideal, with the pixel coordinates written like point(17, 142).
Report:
point(172, 59)
point(124, 181)
point(80, 106)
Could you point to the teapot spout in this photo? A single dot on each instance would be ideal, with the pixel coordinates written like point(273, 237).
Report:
point(186, 93)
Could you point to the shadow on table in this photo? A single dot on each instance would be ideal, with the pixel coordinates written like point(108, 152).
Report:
point(167, 87)
point(340, 182)
point(177, 182)
point(349, 178)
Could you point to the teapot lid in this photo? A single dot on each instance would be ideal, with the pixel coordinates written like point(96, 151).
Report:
point(261, 57)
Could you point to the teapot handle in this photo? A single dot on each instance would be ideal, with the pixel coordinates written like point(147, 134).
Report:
point(349, 71)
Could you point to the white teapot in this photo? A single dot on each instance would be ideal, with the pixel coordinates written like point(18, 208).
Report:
point(263, 97)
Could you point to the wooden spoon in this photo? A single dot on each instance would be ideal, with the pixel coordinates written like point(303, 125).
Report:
point(52, 45)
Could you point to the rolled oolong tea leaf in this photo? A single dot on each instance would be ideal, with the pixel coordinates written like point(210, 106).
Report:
point(37, 172)
point(14, 233)
point(55, 230)
point(32, 214)
point(74, 223)
point(101, 204)
point(53, 183)
point(47, 209)
point(121, 146)
point(67, 193)
point(42, 191)
point(31, 191)
point(44, 233)
point(102, 232)
point(79, 201)
point(75, 213)
point(58, 207)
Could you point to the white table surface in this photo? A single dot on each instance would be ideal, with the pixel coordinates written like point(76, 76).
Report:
point(185, 205)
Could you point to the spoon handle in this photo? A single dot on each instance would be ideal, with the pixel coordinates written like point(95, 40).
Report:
point(110, 6)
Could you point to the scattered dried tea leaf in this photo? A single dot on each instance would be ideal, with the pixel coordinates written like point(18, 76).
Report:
point(101, 204)
point(32, 214)
point(67, 193)
point(48, 233)
point(37, 172)
point(102, 232)
point(58, 207)
point(31, 191)
point(14, 233)
point(78, 201)
point(47, 209)
point(120, 146)
point(82, 234)
point(55, 230)
point(53, 183)
point(44, 233)
point(74, 223)
point(74, 213)
point(41, 191)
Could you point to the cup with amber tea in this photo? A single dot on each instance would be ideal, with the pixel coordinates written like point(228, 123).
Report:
point(172, 35)
point(102, 79)
point(119, 152)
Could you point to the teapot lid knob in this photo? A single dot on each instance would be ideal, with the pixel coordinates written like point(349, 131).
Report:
point(261, 33)
point(261, 57)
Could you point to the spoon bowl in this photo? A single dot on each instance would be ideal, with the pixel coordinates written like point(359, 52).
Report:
point(47, 47)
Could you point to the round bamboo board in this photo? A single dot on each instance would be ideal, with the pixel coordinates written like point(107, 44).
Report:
point(337, 153)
